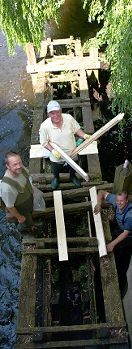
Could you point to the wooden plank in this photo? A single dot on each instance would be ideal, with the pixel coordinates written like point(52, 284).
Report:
point(27, 293)
point(89, 343)
point(72, 328)
point(74, 63)
point(109, 279)
point(90, 241)
point(57, 42)
point(93, 161)
point(67, 186)
point(60, 226)
point(47, 284)
point(54, 251)
point(38, 151)
point(69, 208)
point(98, 224)
point(90, 149)
point(72, 163)
point(64, 177)
point(99, 133)
point(30, 53)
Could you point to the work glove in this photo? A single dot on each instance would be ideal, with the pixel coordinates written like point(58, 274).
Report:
point(86, 136)
point(56, 154)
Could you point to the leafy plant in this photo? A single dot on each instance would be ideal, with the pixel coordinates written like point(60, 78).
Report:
point(23, 21)
point(116, 17)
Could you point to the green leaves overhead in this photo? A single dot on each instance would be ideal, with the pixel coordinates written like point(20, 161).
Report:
point(116, 17)
point(23, 21)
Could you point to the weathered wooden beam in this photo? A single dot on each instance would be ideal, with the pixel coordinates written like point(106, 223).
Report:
point(109, 279)
point(98, 224)
point(54, 251)
point(71, 63)
point(27, 294)
point(98, 133)
point(60, 226)
point(72, 163)
point(57, 42)
point(90, 241)
point(89, 343)
point(73, 328)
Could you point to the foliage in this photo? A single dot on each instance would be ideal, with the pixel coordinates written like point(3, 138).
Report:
point(116, 19)
point(23, 21)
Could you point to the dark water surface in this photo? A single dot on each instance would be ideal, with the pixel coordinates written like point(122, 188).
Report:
point(16, 101)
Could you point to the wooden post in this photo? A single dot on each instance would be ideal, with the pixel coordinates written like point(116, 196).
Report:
point(27, 294)
point(98, 224)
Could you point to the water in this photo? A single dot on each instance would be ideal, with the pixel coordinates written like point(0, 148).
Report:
point(16, 101)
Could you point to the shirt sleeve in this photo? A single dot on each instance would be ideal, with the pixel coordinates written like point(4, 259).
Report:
point(128, 221)
point(9, 195)
point(111, 199)
point(43, 136)
point(75, 125)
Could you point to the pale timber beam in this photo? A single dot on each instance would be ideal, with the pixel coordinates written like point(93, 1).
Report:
point(60, 226)
point(90, 149)
point(38, 151)
point(98, 133)
point(98, 224)
point(74, 63)
point(72, 163)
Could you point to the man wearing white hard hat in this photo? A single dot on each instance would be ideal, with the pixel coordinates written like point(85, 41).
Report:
point(61, 129)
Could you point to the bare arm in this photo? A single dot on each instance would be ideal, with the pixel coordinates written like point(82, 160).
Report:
point(80, 133)
point(15, 213)
point(114, 243)
point(102, 195)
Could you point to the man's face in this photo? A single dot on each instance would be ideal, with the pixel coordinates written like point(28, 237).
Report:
point(55, 116)
point(121, 201)
point(15, 165)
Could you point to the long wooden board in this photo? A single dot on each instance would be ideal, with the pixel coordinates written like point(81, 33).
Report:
point(89, 149)
point(60, 226)
point(38, 151)
point(70, 63)
point(98, 133)
point(98, 224)
point(70, 161)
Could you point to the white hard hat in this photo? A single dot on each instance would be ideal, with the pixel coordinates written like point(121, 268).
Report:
point(53, 105)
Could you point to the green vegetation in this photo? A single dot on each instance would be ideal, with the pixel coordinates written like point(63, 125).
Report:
point(23, 21)
point(115, 35)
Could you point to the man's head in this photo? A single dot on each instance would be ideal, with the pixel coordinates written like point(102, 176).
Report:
point(13, 163)
point(54, 112)
point(122, 200)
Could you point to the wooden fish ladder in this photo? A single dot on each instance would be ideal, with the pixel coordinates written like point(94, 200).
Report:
point(38, 325)
point(51, 69)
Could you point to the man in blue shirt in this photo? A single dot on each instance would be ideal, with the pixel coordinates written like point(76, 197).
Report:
point(121, 232)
